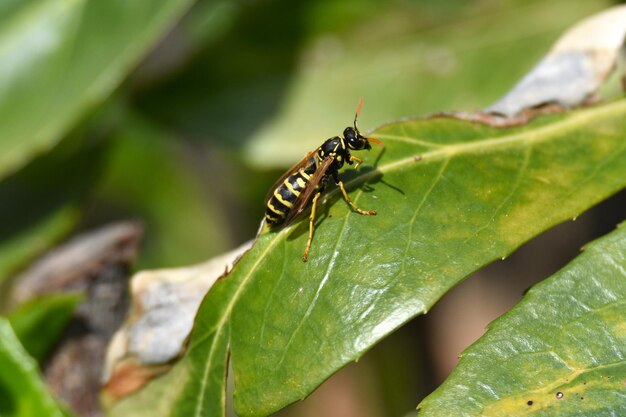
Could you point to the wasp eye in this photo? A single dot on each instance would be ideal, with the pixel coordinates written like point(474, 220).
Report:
point(352, 138)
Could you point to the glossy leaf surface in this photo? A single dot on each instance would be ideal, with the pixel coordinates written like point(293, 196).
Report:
point(452, 196)
point(22, 393)
point(60, 57)
point(560, 352)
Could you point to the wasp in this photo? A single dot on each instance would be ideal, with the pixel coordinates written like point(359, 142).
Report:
point(307, 179)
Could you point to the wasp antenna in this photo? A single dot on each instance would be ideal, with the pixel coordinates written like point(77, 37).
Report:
point(376, 141)
point(356, 115)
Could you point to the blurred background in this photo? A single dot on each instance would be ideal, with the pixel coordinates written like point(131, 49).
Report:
point(210, 104)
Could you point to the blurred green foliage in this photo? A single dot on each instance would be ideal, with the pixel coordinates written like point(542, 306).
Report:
point(117, 109)
point(22, 393)
point(42, 201)
point(38, 323)
point(147, 174)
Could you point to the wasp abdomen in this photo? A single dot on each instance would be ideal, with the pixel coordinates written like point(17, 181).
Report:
point(286, 193)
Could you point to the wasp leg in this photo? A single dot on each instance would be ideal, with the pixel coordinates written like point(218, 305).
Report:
point(355, 208)
point(357, 160)
point(305, 257)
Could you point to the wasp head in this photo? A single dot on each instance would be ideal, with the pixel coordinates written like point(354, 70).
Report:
point(355, 140)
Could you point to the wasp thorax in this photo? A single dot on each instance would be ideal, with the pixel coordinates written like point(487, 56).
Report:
point(355, 140)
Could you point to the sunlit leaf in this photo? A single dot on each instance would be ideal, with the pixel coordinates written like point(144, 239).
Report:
point(22, 393)
point(451, 197)
point(560, 352)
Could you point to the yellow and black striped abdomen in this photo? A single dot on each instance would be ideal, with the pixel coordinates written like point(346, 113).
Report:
point(286, 193)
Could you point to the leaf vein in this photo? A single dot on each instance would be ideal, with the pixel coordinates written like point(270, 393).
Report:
point(220, 326)
point(518, 180)
point(269, 298)
point(438, 178)
point(321, 286)
point(408, 139)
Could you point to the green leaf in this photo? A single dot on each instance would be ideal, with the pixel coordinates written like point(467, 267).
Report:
point(22, 392)
point(566, 336)
point(39, 323)
point(451, 197)
point(61, 57)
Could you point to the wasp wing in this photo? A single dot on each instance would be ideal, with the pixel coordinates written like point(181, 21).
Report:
point(303, 163)
point(305, 197)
